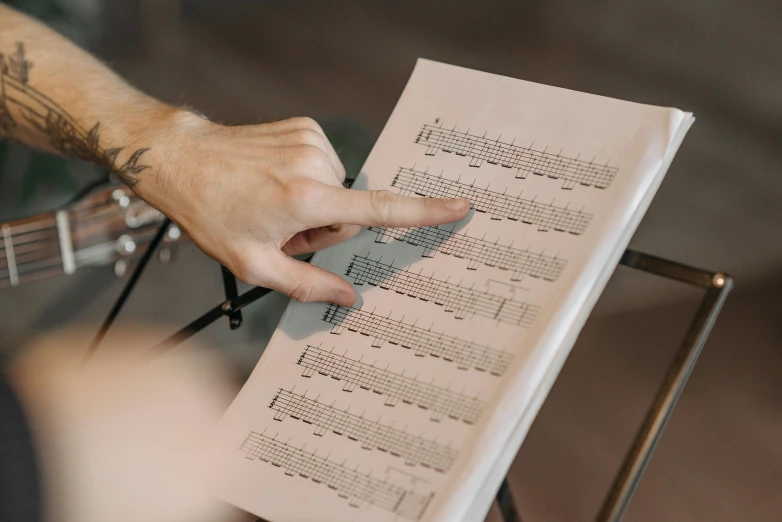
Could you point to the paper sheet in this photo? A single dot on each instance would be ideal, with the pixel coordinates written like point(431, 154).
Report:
point(411, 404)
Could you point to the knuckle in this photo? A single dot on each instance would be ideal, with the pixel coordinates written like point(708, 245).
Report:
point(304, 189)
point(343, 231)
point(426, 207)
point(382, 203)
point(348, 231)
point(302, 291)
point(310, 157)
point(308, 123)
point(245, 270)
point(308, 137)
point(301, 194)
point(340, 169)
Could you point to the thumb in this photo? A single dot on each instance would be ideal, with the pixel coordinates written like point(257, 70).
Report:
point(304, 282)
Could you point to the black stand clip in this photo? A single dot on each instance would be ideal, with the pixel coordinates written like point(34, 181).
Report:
point(231, 293)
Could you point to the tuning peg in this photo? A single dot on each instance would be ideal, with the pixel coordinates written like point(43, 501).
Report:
point(120, 267)
point(174, 233)
point(125, 244)
point(121, 198)
point(164, 255)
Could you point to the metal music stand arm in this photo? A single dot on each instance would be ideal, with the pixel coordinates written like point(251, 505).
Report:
point(225, 308)
point(231, 306)
point(717, 286)
point(129, 286)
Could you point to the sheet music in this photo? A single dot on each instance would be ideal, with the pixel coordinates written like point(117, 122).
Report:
point(410, 404)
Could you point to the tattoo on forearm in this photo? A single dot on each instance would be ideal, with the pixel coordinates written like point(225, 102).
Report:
point(26, 112)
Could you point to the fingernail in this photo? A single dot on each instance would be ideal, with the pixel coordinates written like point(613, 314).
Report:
point(343, 297)
point(457, 204)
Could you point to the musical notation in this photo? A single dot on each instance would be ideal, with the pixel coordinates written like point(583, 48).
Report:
point(422, 341)
point(358, 488)
point(371, 435)
point(497, 204)
point(476, 251)
point(453, 298)
point(441, 402)
point(525, 160)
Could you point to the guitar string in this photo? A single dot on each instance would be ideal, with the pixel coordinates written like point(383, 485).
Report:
point(100, 248)
point(44, 235)
point(96, 211)
point(83, 258)
point(42, 224)
point(43, 242)
point(41, 238)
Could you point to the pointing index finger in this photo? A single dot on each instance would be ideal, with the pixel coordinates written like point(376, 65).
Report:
point(384, 208)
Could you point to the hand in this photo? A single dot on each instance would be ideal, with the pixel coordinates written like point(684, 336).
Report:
point(252, 196)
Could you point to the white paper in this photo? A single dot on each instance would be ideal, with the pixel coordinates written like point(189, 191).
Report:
point(411, 405)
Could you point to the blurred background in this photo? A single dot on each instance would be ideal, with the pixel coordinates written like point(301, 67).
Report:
point(345, 64)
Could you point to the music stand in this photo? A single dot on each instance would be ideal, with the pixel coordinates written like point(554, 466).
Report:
point(716, 284)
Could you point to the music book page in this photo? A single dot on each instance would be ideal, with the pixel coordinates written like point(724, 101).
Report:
point(411, 404)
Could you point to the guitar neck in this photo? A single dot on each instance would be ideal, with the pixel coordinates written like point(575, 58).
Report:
point(34, 248)
point(104, 226)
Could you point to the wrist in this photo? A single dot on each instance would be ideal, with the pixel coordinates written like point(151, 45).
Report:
point(169, 143)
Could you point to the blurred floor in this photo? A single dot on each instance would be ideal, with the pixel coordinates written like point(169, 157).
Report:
point(720, 207)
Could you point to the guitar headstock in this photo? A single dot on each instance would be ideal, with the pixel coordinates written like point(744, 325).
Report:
point(108, 225)
point(112, 225)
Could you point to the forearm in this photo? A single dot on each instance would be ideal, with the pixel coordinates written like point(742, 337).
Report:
point(57, 97)
point(249, 196)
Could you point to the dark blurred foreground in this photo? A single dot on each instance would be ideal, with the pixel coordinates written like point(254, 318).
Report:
point(345, 63)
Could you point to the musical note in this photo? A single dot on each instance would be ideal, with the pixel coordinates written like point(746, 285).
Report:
point(440, 402)
point(497, 205)
point(453, 298)
point(525, 160)
point(371, 435)
point(477, 251)
point(421, 341)
point(358, 488)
